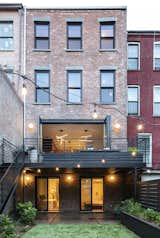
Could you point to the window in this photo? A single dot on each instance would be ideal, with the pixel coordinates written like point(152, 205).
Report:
point(107, 86)
point(157, 56)
point(42, 35)
point(133, 56)
point(74, 36)
point(133, 100)
point(42, 86)
point(156, 101)
point(74, 86)
point(145, 147)
point(6, 35)
point(107, 35)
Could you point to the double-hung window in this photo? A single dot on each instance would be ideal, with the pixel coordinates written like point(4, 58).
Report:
point(156, 59)
point(42, 35)
point(74, 78)
point(107, 35)
point(6, 35)
point(74, 35)
point(107, 86)
point(133, 56)
point(145, 147)
point(133, 100)
point(156, 100)
point(42, 86)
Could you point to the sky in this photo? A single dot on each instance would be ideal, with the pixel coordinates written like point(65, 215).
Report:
point(142, 14)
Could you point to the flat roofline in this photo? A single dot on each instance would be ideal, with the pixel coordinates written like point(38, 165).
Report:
point(79, 8)
point(10, 6)
point(144, 32)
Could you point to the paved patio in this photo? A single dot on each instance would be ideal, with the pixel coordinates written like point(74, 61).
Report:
point(76, 218)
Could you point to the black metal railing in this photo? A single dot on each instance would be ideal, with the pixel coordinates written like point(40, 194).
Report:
point(12, 171)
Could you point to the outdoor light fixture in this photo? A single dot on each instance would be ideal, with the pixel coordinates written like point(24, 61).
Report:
point(30, 126)
point(95, 115)
point(24, 90)
point(148, 171)
point(117, 126)
point(78, 165)
point(133, 153)
point(140, 127)
point(57, 169)
point(69, 178)
point(111, 178)
point(39, 171)
point(103, 161)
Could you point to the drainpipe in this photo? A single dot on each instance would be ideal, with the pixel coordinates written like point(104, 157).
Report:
point(24, 73)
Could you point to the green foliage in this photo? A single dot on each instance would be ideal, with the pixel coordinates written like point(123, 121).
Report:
point(7, 227)
point(26, 212)
point(133, 149)
point(136, 209)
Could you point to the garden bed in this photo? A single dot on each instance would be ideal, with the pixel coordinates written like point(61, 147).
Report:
point(142, 228)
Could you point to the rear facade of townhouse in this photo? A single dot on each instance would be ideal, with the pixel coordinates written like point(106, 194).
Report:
point(75, 120)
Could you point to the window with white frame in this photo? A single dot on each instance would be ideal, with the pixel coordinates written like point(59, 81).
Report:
point(156, 59)
point(145, 147)
point(42, 78)
point(156, 100)
point(133, 56)
point(6, 35)
point(133, 100)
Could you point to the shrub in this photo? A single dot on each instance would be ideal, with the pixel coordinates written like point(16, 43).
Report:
point(26, 212)
point(136, 209)
point(7, 227)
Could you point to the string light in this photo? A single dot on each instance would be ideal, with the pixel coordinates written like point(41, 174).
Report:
point(24, 90)
point(38, 171)
point(57, 169)
point(133, 153)
point(78, 165)
point(30, 126)
point(103, 161)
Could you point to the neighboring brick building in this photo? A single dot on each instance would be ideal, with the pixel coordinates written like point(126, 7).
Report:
point(144, 94)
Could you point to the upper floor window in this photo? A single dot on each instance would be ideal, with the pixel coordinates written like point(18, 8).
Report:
point(42, 86)
point(156, 100)
point(74, 86)
point(107, 86)
point(74, 35)
point(133, 56)
point(107, 35)
point(42, 35)
point(6, 35)
point(133, 100)
point(157, 56)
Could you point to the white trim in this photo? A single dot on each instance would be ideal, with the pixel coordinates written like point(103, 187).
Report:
point(154, 43)
point(139, 98)
point(155, 86)
point(139, 54)
point(150, 156)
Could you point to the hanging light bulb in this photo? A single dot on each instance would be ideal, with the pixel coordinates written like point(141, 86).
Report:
point(117, 126)
point(24, 90)
point(95, 115)
point(78, 166)
point(30, 126)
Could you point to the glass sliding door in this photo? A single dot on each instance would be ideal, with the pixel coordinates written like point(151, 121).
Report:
point(97, 194)
point(86, 204)
point(92, 194)
point(53, 194)
point(48, 194)
point(42, 194)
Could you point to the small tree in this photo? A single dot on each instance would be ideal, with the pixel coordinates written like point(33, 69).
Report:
point(26, 212)
point(7, 227)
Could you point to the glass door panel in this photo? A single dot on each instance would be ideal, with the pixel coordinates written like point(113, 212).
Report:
point(97, 194)
point(53, 194)
point(86, 203)
point(42, 194)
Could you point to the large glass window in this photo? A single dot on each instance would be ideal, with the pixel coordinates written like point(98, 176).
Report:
point(157, 56)
point(74, 86)
point(145, 147)
point(6, 35)
point(42, 35)
point(107, 86)
point(133, 100)
point(74, 35)
point(133, 56)
point(42, 86)
point(107, 35)
point(156, 101)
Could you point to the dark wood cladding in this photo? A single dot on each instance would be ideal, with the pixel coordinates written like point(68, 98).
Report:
point(90, 159)
point(149, 194)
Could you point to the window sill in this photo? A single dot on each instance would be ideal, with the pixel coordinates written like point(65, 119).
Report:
point(154, 116)
point(108, 50)
point(133, 115)
point(69, 103)
point(41, 50)
point(73, 50)
point(156, 70)
point(11, 50)
point(45, 104)
point(133, 70)
point(112, 103)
